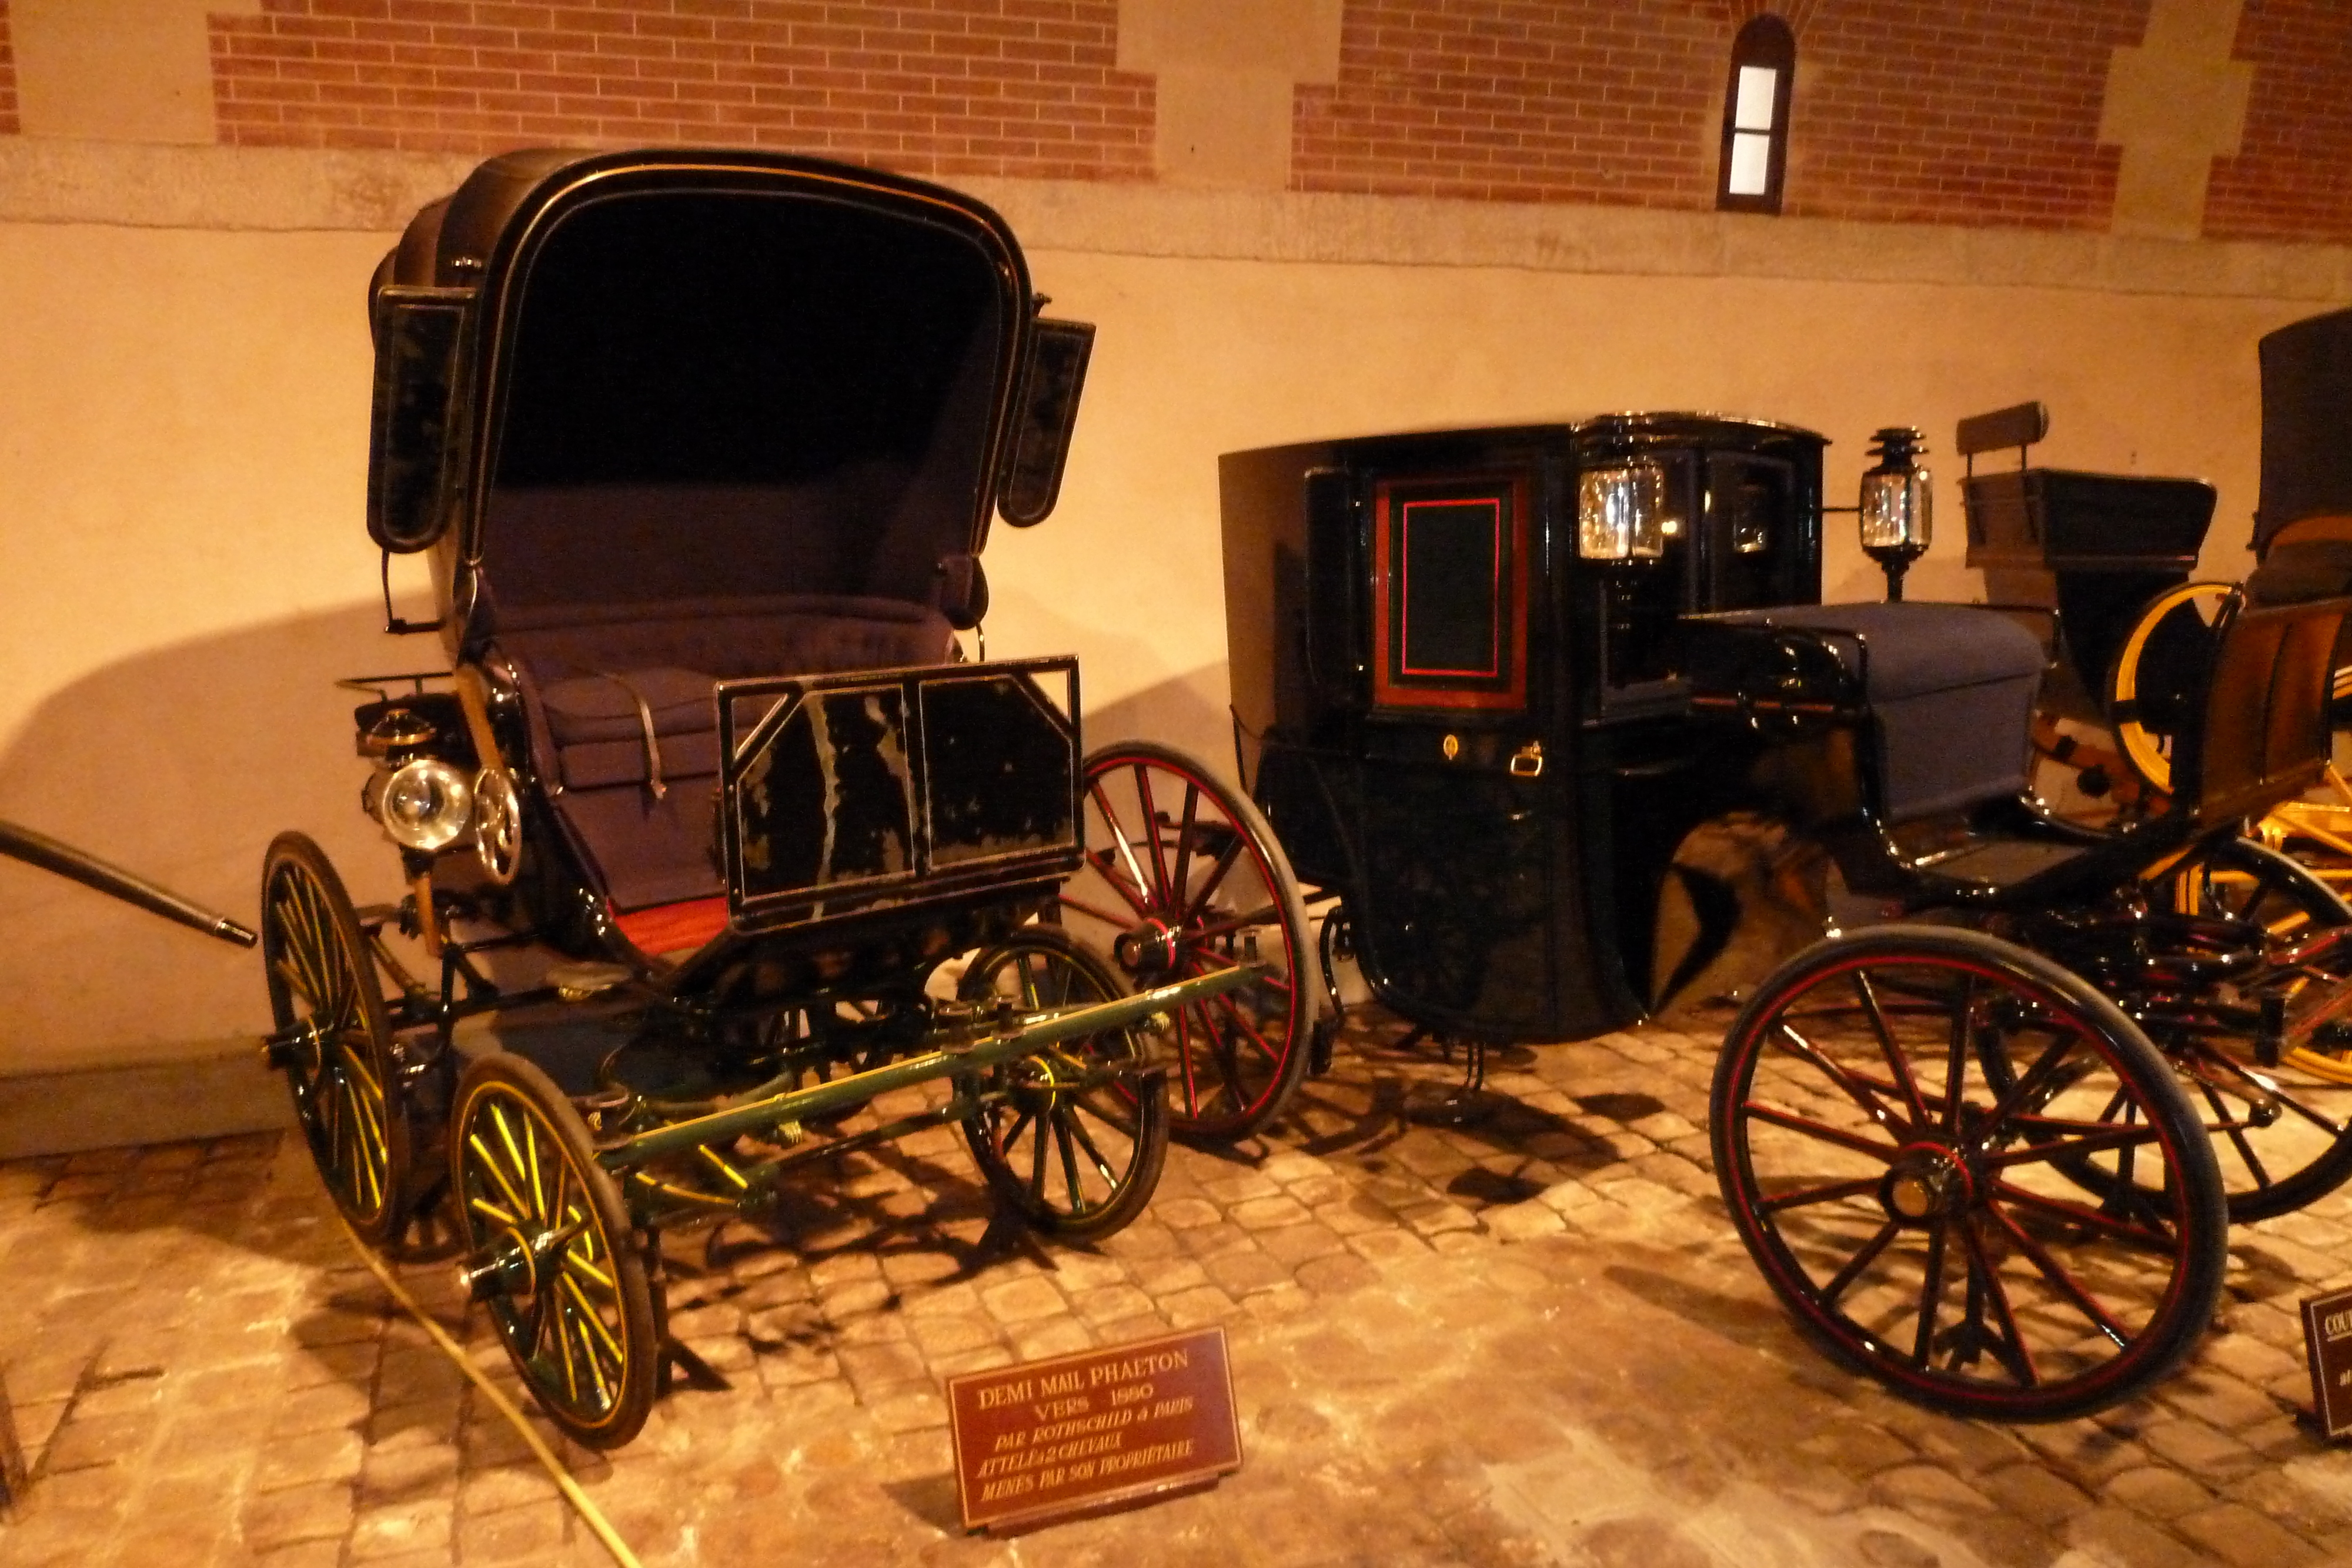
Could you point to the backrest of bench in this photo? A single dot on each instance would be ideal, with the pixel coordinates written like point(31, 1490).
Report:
point(2264, 736)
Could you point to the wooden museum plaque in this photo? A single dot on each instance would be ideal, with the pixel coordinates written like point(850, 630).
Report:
point(2327, 1340)
point(1083, 1434)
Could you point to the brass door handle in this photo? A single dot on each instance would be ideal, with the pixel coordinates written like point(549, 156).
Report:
point(1528, 762)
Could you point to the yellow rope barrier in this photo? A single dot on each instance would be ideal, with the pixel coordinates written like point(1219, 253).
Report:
point(590, 1514)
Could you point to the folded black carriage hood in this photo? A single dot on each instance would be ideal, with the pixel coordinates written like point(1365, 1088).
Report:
point(818, 359)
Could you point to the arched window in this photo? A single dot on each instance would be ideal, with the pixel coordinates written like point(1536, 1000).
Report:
point(1755, 117)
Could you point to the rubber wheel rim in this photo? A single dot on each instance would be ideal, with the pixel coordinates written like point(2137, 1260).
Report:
point(1211, 886)
point(348, 1096)
point(576, 1317)
point(1072, 1160)
point(1940, 1251)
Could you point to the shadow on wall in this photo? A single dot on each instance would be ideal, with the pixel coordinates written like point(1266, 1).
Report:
point(1125, 689)
point(180, 763)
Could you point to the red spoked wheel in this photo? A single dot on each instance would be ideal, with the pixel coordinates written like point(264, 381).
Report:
point(1183, 878)
point(1921, 1211)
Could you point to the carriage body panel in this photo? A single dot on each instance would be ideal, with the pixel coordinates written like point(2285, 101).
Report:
point(1448, 713)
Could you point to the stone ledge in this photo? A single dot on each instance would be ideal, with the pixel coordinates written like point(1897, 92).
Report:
point(46, 181)
point(219, 1089)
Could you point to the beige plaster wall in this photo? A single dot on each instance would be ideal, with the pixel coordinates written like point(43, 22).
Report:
point(183, 424)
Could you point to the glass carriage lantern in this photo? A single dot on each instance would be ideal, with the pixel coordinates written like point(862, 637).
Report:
point(1897, 510)
point(1620, 513)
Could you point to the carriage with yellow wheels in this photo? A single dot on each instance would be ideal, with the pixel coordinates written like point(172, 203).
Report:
point(721, 858)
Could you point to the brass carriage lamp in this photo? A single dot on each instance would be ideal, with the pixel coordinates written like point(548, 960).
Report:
point(1620, 513)
point(1897, 507)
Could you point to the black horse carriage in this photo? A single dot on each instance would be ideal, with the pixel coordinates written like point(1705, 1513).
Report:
point(1985, 1143)
point(711, 836)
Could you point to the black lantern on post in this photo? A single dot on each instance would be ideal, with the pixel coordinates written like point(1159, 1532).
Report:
point(1897, 512)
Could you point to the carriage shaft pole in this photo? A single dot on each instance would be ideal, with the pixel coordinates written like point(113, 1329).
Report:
point(847, 1093)
point(23, 843)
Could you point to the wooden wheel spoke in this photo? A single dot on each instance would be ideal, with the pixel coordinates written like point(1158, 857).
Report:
point(2236, 1132)
point(1078, 1130)
point(1851, 1086)
point(577, 1262)
point(1012, 1136)
point(2010, 1342)
point(602, 1334)
point(2147, 1232)
point(1184, 1059)
point(1264, 915)
point(1183, 868)
point(1829, 1192)
point(1226, 857)
point(1241, 1021)
point(1899, 1066)
point(506, 1185)
point(1820, 1129)
point(1166, 899)
point(2059, 1276)
point(1931, 1295)
point(2260, 1085)
point(2125, 1138)
point(1116, 920)
point(1136, 888)
point(2031, 1082)
point(1068, 1150)
point(1955, 1065)
point(492, 1212)
point(1037, 1161)
point(563, 1343)
point(1854, 1265)
point(1221, 1053)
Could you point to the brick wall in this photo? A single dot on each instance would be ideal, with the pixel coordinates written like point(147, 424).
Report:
point(1983, 113)
point(937, 87)
point(2291, 177)
point(8, 125)
point(1539, 100)
point(1621, 100)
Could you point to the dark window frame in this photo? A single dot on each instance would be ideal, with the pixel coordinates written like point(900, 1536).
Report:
point(1765, 41)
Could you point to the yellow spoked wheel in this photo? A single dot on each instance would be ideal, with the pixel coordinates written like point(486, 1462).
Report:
point(1074, 1146)
point(334, 1038)
point(2318, 833)
point(2281, 1120)
point(549, 1251)
point(2148, 685)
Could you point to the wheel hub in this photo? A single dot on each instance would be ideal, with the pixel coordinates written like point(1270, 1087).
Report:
point(1152, 947)
point(1925, 1183)
point(508, 1265)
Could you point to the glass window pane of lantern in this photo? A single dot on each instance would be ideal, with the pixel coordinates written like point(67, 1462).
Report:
point(1620, 513)
point(1896, 511)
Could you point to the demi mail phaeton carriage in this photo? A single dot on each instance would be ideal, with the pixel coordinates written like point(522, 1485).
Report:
point(710, 835)
point(1487, 684)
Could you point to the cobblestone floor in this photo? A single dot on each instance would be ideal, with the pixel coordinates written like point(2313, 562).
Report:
point(1534, 1339)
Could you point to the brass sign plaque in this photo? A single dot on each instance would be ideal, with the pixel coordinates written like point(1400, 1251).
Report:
point(1083, 1434)
point(2327, 1339)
